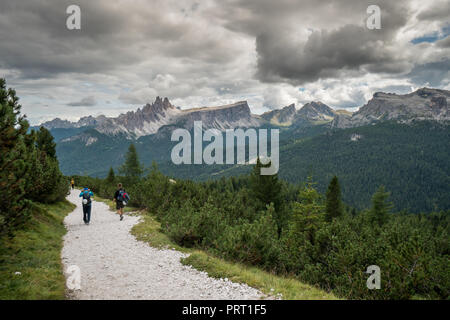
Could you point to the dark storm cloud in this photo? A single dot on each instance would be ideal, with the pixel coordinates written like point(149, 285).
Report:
point(85, 102)
point(431, 74)
point(35, 40)
point(325, 55)
point(328, 51)
point(440, 11)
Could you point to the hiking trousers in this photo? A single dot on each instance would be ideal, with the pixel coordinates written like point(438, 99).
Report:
point(87, 213)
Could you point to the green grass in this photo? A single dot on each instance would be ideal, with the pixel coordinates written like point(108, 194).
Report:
point(149, 230)
point(288, 288)
point(35, 252)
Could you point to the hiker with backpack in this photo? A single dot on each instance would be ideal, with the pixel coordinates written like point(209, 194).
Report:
point(87, 194)
point(121, 198)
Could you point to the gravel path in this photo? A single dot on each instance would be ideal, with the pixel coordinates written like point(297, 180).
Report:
point(114, 265)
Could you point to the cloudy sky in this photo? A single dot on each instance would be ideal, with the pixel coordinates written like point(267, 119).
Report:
point(212, 52)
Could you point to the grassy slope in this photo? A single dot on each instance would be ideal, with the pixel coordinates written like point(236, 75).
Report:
point(149, 231)
point(35, 252)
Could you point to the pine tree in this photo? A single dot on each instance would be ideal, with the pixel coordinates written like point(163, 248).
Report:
point(333, 200)
point(45, 142)
point(132, 168)
point(111, 176)
point(307, 214)
point(380, 207)
point(14, 208)
point(267, 189)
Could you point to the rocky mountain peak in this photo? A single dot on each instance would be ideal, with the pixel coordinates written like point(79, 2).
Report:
point(88, 121)
point(143, 121)
point(91, 121)
point(316, 111)
point(223, 117)
point(282, 116)
point(422, 104)
point(158, 106)
point(57, 123)
point(311, 111)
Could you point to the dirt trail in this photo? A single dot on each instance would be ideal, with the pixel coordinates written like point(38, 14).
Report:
point(114, 265)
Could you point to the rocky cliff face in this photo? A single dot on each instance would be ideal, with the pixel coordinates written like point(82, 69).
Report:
point(236, 115)
point(284, 116)
point(316, 111)
point(162, 113)
point(142, 122)
point(423, 104)
point(310, 112)
point(89, 121)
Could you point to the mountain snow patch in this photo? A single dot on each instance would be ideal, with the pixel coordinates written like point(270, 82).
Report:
point(90, 141)
point(355, 137)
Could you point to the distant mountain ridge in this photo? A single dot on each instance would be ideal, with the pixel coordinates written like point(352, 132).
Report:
point(422, 104)
point(310, 112)
point(88, 121)
point(152, 117)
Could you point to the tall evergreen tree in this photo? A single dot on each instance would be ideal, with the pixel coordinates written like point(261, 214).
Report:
point(111, 178)
point(14, 208)
point(307, 214)
point(333, 201)
point(132, 169)
point(45, 142)
point(267, 189)
point(380, 207)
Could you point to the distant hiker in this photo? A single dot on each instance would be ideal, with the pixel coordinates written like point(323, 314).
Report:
point(87, 204)
point(72, 183)
point(121, 198)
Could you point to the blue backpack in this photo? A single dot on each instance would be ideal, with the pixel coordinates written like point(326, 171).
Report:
point(87, 196)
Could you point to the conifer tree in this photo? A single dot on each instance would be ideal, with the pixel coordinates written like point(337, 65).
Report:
point(333, 201)
point(308, 213)
point(45, 142)
point(111, 176)
point(380, 207)
point(132, 168)
point(267, 189)
point(14, 208)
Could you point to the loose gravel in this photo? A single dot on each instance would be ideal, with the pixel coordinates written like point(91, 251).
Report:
point(114, 265)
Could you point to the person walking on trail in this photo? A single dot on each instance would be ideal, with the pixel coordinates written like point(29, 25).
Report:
point(72, 183)
point(121, 198)
point(87, 194)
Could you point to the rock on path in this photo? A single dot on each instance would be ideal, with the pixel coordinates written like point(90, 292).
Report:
point(114, 265)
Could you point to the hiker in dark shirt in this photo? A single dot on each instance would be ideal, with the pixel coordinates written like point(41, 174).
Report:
point(87, 204)
point(120, 201)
